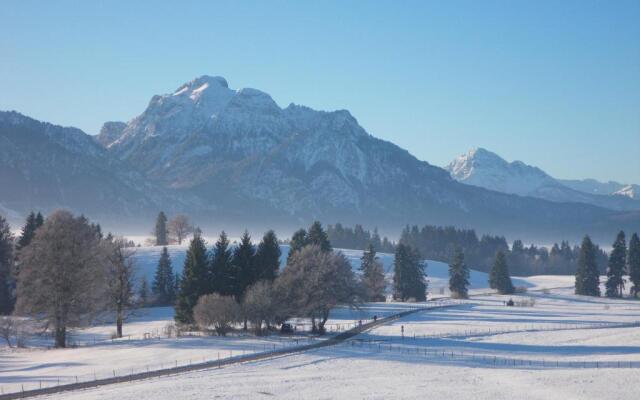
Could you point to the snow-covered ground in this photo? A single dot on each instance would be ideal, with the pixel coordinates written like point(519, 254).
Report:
point(480, 349)
point(553, 337)
point(145, 345)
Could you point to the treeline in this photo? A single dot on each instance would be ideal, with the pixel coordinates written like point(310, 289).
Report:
point(358, 238)
point(440, 244)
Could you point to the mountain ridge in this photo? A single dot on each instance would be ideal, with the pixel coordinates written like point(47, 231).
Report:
point(229, 156)
point(483, 168)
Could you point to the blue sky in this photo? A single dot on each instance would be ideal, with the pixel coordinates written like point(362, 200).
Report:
point(553, 83)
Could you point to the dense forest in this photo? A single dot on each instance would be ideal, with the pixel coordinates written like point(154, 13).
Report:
point(439, 243)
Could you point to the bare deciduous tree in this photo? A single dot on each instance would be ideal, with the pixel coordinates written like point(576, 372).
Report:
point(259, 305)
point(180, 227)
point(217, 311)
point(121, 271)
point(61, 274)
point(315, 281)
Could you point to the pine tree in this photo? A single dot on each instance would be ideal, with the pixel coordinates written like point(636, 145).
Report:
point(29, 230)
point(176, 287)
point(143, 294)
point(459, 276)
point(161, 231)
point(409, 277)
point(163, 281)
point(499, 278)
point(298, 241)
point(318, 237)
point(244, 265)
point(615, 269)
point(194, 282)
point(39, 220)
point(587, 275)
point(372, 278)
point(268, 257)
point(6, 266)
point(633, 261)
point(171, 286)
point(223, 277)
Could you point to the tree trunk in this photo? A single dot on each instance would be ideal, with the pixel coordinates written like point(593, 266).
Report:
point(61, 336)
point(119, 320)
point(323, 321)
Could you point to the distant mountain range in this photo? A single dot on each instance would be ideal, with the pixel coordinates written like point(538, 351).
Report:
point(234, 158)
point(482, 168)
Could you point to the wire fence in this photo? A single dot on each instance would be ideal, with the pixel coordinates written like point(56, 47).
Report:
point(524, 328)
point(224, 356)
point(438, 354)
point(284, 345)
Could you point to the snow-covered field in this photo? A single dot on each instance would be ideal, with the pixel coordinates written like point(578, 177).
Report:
point(145, 346)
point(480, 349)
point(552, 345)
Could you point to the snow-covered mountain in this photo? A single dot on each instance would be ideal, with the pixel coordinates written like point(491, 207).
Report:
point(234, 159)
point(45, 166)
point(480, 167)
point(593, 186)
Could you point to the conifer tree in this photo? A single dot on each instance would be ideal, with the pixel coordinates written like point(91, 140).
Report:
point(163, 281)
point(176, 286)
point(161, 232)
point(194, 282)
point(143, 294)
point(587, 275)
point(459, 276)
point(633, 261)
point(499, 278)
point(28, 231)
point(6, 266)
point(368, 258)
point(39, 219)
point(317, 236)
point(409, 277)
point(223, 277)
point(298, 241)
point(268, 257)
point(244, 265)
point(372, 278)
point(616, 267)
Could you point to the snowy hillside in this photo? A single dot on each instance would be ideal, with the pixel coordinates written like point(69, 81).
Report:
point(480, 167)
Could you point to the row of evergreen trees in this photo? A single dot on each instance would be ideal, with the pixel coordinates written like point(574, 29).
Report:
point(622, 261)
point(225, 270)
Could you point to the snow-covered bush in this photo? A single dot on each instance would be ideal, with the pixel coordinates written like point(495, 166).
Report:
point(219, 312)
